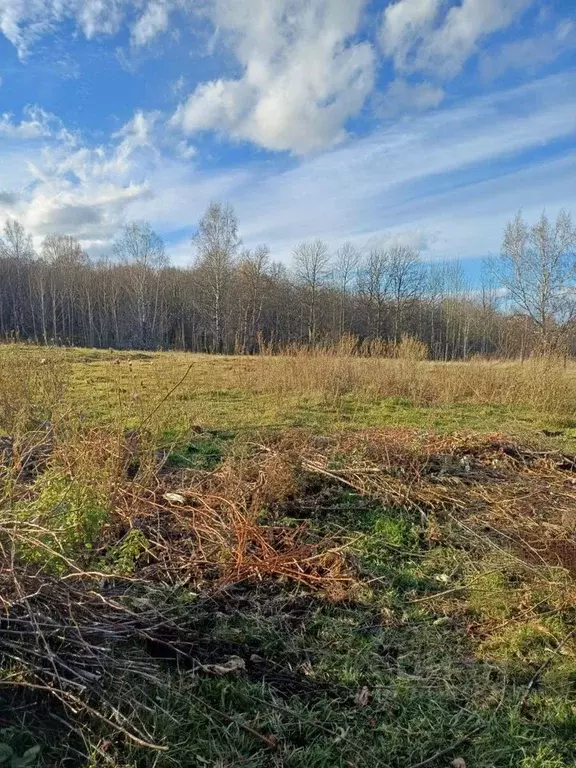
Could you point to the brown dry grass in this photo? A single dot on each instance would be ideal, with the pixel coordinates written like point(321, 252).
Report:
point(541, 383)
point(516, 495)
point(323, 388)
point(99, 517)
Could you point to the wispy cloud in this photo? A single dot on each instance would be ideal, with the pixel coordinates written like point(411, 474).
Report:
point(430, 165)
point(530, 53)
point(36, 123)
point(436, 37)
point(400, 181)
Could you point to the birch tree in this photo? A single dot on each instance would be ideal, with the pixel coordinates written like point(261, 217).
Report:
point(311, 262)
point(142, 250)
point(537, 268)
point(217, 242)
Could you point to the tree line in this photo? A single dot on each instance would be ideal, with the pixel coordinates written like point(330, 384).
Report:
point(232, 299)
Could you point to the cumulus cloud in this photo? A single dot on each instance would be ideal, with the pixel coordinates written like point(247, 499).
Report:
point(303, 75)
point(304, 68)
point(76, 189)
point(89, 213)
point(429, 36)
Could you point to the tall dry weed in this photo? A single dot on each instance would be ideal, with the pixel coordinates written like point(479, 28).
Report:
point(541, 383)
point(32, 385)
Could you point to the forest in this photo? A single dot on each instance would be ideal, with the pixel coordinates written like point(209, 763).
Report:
point(232, 299)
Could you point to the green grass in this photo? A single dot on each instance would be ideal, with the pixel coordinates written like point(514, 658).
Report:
point(428, 682)
point(204, 451)
point(113, 387)
point(432, 651)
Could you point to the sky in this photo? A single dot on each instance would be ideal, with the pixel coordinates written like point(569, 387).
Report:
point(423, 122)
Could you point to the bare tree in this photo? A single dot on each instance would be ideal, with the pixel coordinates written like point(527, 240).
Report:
point(142, 250)
point(406, 279)
point(537, 268)
point(346, 267)
point(373, 289)
point(252, 279)
point(217, 243)
point(15, 242)
point(66, 258)
point(311, 262)
point(16, 250)
point(222, 302)
point(63, 250)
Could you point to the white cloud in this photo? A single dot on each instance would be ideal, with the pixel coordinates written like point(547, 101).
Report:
point(63, 186)
point(429, 36)
point(185, 150)
point(178, 85)
point(302, 75)
point(24, 22)
point(95, 17)
point(93, 212)
point(153, 21)
point(434, 179)
point(530, 53)
point(36, 124)
point(405, 25)
point(401, 97)
point(424, 175)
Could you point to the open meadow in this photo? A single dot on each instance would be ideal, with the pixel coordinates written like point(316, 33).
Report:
point(308, 560)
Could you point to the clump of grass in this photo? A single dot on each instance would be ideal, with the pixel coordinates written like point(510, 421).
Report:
point(545, 757)
point(205, 451)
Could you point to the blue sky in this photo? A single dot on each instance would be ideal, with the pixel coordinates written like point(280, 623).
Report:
point(428, 122)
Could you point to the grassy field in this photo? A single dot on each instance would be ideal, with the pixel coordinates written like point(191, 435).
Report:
point(322, 392)
point(307, 560)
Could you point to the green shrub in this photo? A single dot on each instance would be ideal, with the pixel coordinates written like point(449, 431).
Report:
point(66, 518)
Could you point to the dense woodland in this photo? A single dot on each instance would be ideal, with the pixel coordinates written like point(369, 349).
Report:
point(231, 299)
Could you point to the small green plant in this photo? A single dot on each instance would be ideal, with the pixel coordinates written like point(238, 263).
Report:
point(544, 758)
point(491, 597)
point(10, 759)
point(124, 555)
point(70, 516)
point(203, 453)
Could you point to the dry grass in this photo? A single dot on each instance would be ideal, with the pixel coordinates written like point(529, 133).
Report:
point(76, 621)
point(323, 389)
point(458, 549)
point(540, 383)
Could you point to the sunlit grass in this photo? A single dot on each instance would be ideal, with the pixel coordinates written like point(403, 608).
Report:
point(427, 644)
point(322, 393)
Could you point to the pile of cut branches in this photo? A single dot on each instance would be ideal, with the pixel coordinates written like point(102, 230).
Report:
point(522, 495)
